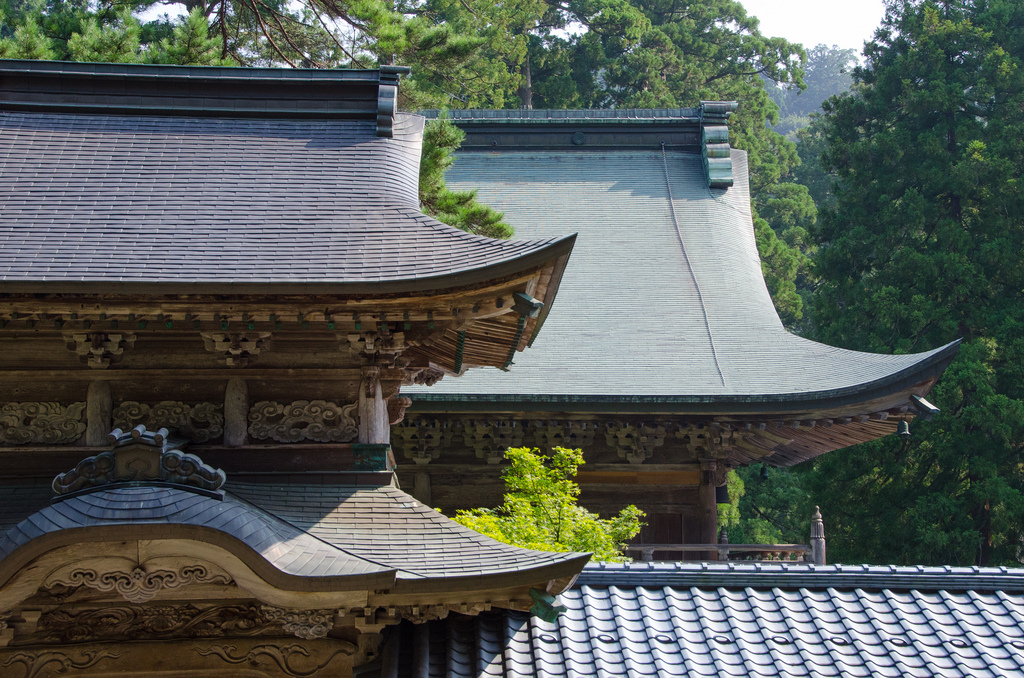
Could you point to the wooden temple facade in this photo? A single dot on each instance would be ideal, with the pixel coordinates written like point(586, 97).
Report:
point(214, 284)
point(701, 378)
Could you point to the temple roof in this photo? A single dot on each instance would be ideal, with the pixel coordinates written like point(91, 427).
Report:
point(311, 537)
point(711, 620)
point(144, 178)
point(388, 526)
point(680, 259)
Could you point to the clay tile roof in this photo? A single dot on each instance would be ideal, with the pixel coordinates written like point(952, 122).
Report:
point(671, 620)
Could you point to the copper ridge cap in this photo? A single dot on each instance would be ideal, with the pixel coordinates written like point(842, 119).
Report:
point(201, 91)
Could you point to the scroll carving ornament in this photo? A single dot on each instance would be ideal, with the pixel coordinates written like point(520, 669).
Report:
point(140, 584)
point(136, 463)
point(41, 422)
point(318, 420)
point(199, 423)
point(305, 624)
point(62, 660)
point(161, 622)
point(294, 660)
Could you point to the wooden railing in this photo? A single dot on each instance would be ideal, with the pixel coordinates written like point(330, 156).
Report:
point(761, 552)
point(814, 553)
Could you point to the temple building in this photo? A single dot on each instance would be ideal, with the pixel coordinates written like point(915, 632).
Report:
point(213, 284)
point(665, 359)
point(220, 305)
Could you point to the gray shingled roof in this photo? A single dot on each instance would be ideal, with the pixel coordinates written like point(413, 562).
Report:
point(136, 201)
point(646, 310)
point(373, 536)
point(149, 509)
point(665, 620)
point(386, 525)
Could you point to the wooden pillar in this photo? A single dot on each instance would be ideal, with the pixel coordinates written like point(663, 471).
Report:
point(421, 650)
point(421, 487)
point(374, 426)
point(236, 412)
point(707, 507)
point(390, 652)
point(99, 409)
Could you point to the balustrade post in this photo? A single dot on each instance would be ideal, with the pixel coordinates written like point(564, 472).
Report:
point(817, 538)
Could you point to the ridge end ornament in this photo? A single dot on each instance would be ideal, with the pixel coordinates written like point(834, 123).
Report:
point(140, 456)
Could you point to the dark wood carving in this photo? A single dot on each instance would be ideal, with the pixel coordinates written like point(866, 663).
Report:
point(200, 422)
point(41, 423)
point(318, 420)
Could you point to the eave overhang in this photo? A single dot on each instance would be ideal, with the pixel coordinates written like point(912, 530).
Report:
point(554, 254)
point(769, 404)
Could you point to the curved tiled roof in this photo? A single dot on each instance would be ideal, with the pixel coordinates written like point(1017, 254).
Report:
point(642, 622)
point(664, 299)
point(151, 510)
point(141, 201)
point(372, 537)
point(388, 526)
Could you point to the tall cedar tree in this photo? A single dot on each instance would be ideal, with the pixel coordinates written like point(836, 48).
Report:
point(921, 247)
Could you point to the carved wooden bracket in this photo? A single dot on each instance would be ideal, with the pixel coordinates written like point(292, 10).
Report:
point(97, 349)
point(35, 422)
point(635, 443)
point(238, 350)
point(318, 420)
point(396, 409)
point(427, 376)
point(490, 439)
point(377, 348)
point(571, 434)
point(421, 440)
point(140, 456)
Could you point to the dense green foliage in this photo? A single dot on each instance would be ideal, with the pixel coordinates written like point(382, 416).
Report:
point(541, 511)
point(922, 246)
point(827, 73)
point(460, 209)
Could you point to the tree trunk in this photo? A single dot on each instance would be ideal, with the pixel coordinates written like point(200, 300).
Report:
point(525, 90)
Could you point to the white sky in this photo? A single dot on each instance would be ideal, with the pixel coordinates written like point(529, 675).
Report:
point(847, 23)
